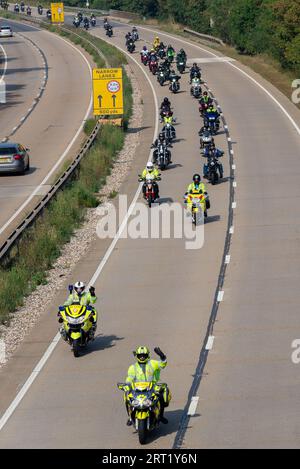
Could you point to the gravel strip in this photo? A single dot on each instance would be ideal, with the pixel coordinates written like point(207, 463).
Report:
point(22, 320)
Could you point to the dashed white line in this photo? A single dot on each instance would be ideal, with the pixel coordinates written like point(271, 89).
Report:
point(227, 259)
point(210, 342)
point(232, 152)
point(234, 184)
point(231, 229)
point(233, 166)
point(233, 205)
point(220, 296)
point(193, 405)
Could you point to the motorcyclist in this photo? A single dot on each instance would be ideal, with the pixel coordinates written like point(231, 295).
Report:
point(150, 169)
point(93, 16)
point(181, 56)
point(105, 23)
point(86, 22)
point(128, 37)
point(205, 99)
point(195, 72)
point(76, 21)
point(160, 141)
point(78, 293)
point(145, 51)
point(198, 187)
point(195, 82)
point(40, 9)
point(135, 32)
point(80, 296)
point(209, 153)
point(152, 56)
point(165, 108)
point(156, 43)
point(16, 7)
point(148, 370)
point(212, 110)
point(28, 10)
point(170, 52)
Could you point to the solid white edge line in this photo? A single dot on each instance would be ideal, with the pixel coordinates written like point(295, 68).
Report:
point(210, 342)
point(59, 161)
point(8, 413)
point(5, 63)
point(193, 405)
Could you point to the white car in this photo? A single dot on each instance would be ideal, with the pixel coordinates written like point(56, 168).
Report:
point(6, 31)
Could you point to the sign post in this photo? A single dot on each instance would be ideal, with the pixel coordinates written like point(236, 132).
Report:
point(108, 91)
point(57, 13)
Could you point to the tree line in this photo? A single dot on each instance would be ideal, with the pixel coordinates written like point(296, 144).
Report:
point(252, 26)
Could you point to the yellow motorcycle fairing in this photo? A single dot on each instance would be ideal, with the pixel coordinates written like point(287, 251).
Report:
point(142, 415)
point(76, 312)
point(202, 201)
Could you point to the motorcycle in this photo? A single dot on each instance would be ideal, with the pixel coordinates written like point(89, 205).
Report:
point(211, 120)
point(203, 108)
point(143, 404)
point(174, 85)
point(168, 132)
point(93, 22)
point(28, 11)
point(22, 6)
point(109, 31)
point(76, 23)
point(40, 10)
point(16, 9)
point(86, 25)
point(150, 192)
point(105, 24)
point(196, 205)
point(153, 66)
point(162, 156)
point(48, 14)
point(131, 47)
point(213, 169)
point(196, 90)
point(144, 59)
point(206, 139)
point(195, 74)
point(161, 53)
point(180, 65)
point(77, 328)
point(161, 77)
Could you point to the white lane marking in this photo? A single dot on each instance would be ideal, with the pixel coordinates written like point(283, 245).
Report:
point(227, 259)
point(57, 164)
point(233, 166)
point(220, 296)
point(193, 405)
point(8, 413)
point(232, 152)
point(22, 118)
point(231, 229)
point(233, 205)
point(230, 65)
point(29, 110)
point(204, 60)
point(234, 184)
point(229, 139)
point(210, 342)
point(10, 410)
point(5, 63)
point(15, 128)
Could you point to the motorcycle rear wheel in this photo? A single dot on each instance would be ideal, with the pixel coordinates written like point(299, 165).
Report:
point(142, 431)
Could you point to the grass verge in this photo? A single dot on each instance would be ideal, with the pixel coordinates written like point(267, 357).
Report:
point(42, 243)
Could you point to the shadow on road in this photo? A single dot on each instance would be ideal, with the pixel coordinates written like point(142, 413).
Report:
point(102, 342)
point(173, 417)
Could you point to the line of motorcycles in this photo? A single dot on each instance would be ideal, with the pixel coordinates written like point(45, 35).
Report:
point(162, 70)
point(84, 21)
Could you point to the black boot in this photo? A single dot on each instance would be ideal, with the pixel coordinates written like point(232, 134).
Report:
point(129, 423)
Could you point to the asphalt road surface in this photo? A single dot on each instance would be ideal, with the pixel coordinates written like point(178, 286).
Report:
point(158, 293)
point(50, 128)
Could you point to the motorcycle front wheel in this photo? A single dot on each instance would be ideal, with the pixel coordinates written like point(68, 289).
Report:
point(142, 431)
point(75, 347)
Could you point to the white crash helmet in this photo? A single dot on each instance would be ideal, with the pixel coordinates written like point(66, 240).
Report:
point(150, 166)
point(79, 287)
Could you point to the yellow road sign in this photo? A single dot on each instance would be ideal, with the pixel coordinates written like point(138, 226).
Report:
point(108, 91)
point(57, 13)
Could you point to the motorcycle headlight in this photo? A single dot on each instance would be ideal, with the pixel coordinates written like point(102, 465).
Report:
point(212, 163)
point(75, 320)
